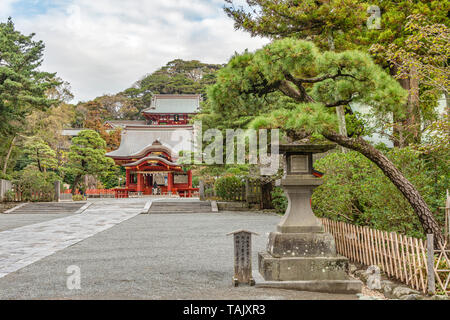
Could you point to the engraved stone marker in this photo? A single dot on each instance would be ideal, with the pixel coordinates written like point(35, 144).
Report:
point(242, 257)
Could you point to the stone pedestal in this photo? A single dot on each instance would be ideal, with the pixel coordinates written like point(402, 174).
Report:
point(301, 255)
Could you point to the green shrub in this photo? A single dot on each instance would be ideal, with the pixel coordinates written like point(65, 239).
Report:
point(195, 182)
point(279, 200)
point(229, 188)
point(77, 197)
point(355, 190)
point(9, 196)
point(5, 176)
point(31, 180)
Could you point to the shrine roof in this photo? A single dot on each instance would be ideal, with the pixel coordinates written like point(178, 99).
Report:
point(169, 103)
point(137, 141)
point(124, 123)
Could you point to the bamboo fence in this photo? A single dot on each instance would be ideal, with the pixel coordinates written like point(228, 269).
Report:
point(401, 257)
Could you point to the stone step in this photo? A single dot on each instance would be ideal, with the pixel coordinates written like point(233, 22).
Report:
point(180, 207)
point(48, 208)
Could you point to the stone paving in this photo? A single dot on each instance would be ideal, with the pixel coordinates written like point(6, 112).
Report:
point(25, 245)
point(151, 256)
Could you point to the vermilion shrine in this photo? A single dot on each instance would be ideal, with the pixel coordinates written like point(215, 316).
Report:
point(149, 149)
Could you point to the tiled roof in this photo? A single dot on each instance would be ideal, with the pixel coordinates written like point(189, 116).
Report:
point(170, 103)
point(124, 123)
point(136, 140)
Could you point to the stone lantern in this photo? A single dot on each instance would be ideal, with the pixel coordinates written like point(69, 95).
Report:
point(300, 254)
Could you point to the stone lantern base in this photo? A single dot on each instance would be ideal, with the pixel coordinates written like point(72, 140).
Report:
point(305, 256)
point(301, 255)
point(304, 261)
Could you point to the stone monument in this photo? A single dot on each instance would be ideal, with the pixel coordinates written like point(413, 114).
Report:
point(300, 254)
point(242, 257)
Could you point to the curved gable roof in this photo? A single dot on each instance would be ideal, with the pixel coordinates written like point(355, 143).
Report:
point(137, 142)
point(168, 103)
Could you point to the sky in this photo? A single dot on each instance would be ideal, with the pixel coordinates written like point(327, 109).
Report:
point(104, 46)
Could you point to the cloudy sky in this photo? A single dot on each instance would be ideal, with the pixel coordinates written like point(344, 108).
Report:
point(104, 46)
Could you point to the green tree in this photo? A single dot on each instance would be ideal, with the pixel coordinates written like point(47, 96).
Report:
point(327, 23)
point(176, 77)
point(42, 156)
point(87, 157)
point(330, 26)
point(311, 85)
point(31, 180)
point(23, 85)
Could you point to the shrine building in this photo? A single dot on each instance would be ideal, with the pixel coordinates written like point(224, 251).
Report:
point(150, 148)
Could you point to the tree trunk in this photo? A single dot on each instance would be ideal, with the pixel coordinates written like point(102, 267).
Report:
point(407, 128)
point(342, 124)
point(340, 110)
point(38, 161)
point(266, 190)
point(75, 184)
point(414, 119)
point(8, 155)
point(408, 190)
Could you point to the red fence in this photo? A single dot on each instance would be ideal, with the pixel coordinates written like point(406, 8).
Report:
point(95, 193)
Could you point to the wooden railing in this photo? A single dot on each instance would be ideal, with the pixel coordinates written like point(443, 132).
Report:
point(401, 257)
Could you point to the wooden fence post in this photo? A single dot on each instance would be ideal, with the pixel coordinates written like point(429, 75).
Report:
point(430, 264)
point(247, 191)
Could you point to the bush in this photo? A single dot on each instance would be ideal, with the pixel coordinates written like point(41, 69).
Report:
point(31, 180)
point(229, 188)
point(355, 190)
point(195, 182)
point(9, 196)
point(279, 200)
point(5, 176)
point(77, 197)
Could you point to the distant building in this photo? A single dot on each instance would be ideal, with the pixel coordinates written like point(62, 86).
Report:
point(172, 109)
point(149, 149)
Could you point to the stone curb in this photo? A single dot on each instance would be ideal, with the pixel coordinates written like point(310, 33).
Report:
point(214, 207)
point(147, 207)
point(326, 286)
point(83, 208)
point(15, 208)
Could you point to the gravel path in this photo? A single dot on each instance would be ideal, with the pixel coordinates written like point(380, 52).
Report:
point(25, 245)
point(172, 256)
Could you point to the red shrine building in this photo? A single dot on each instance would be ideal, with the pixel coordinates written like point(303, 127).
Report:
point(150, 148)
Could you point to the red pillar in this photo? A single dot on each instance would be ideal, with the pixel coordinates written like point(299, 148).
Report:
point(140, 182)
point(189, 182)
point(170, 182)
point(128, 178)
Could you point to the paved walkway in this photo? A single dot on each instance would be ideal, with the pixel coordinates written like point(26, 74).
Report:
point(160, 256)
point(25, 245)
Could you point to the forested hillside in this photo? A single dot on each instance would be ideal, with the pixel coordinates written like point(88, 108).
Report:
point(35, 106)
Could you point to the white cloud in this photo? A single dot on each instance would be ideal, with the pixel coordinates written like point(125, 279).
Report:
point(103, 46)
point(6, 8)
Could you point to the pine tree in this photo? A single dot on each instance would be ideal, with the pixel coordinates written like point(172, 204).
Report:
point(308, 84)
